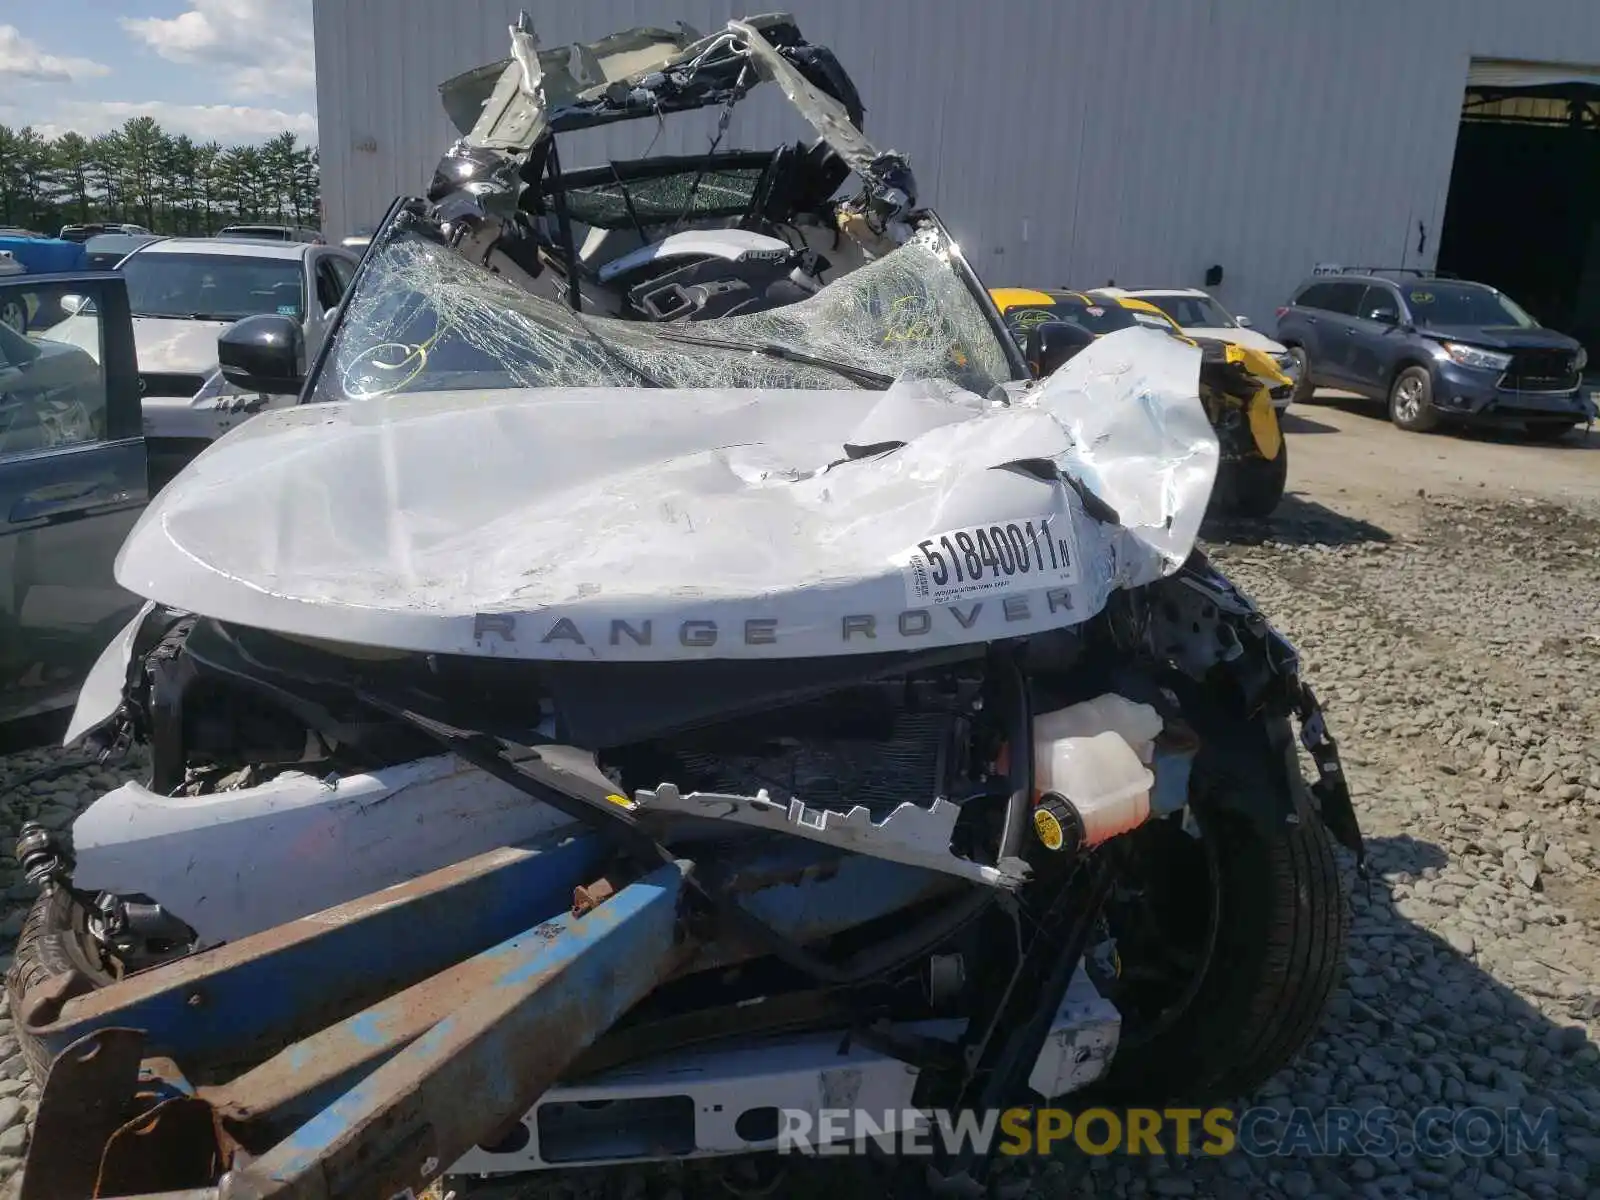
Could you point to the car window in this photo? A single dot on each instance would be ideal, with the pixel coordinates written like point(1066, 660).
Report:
point(1435, 302)
point(222, 287)
point(1380, 304)
point(1098, 318)
point(1315, 296)
point(1341, 296)
point(344, 270)
point(1193, 312)
point(52, 387)
point(329, 286)
point(1020, 318)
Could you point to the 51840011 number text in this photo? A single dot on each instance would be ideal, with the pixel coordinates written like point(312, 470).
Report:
point(1003, 556)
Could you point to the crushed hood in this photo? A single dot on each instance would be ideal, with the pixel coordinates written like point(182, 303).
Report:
point(643, 524)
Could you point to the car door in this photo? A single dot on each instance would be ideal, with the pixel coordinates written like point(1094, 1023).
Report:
point(328, 275)
point(1373, 336)
point(1301, 324)
point(1339, 300)
point(72, 482)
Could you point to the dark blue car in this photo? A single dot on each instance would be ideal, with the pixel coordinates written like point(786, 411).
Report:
point(73, 480)
point(1436, 349)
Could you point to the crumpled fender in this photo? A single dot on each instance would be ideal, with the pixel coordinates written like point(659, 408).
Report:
point(1259, 412)
point(1264, 425)
point(1207, 629)
point(100, 698)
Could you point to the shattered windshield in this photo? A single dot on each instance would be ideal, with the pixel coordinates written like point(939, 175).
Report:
point(423, 318)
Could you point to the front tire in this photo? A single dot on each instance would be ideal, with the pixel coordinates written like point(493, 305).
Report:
point(1278, 926)
point(54, 943)
point(1411, 401)
point(1303, 387)
point(1256, 485)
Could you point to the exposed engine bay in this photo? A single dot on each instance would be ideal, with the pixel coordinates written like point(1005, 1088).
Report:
point(970, 780)
point(873, 744)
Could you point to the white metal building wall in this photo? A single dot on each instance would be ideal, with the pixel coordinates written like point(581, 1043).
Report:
point(1066, 142)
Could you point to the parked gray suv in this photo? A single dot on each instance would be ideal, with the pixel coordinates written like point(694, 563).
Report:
point(1436, 349)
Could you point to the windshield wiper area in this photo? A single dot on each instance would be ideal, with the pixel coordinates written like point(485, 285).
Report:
point(172, 316)
point(614, 355)
point(872, 379)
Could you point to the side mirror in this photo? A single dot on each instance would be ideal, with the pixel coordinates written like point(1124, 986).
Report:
point(1384, 316)
point(1051, 344)
point(264, 353)
point(1242, 322)
point(72, 304)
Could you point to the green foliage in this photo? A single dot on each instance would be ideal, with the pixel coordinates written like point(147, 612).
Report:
point(144, 175)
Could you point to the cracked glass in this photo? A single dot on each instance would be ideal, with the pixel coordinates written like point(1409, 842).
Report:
point(424, 318)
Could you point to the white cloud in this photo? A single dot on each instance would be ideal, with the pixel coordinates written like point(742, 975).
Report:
point(21, 61)
point(255, 47)
point(226, 123)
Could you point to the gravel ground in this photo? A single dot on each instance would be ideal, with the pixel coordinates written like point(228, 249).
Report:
point(54, 802)
point(1456, 666)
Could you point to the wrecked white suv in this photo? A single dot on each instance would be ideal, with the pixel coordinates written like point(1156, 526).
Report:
point(713, 491)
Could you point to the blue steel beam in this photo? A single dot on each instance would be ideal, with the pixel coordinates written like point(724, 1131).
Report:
point(239, 1002)
point(486, 1063)
point(802, 891)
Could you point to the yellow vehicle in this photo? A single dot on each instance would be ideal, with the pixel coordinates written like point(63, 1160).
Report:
point(1236, 386)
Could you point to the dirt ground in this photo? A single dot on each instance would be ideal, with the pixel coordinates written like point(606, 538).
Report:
point(1345, 454)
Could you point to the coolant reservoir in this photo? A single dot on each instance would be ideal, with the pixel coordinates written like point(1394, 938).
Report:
point(1138, 725)
point(1091, 789)
point(1091, 776)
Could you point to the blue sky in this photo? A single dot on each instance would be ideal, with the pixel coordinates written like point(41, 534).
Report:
point(233, 70)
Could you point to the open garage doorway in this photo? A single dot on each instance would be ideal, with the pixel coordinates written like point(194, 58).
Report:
point(1522, 212)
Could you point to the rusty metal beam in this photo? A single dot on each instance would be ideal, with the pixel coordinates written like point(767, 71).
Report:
point(399, 1088)
point(234, 1005)
point(87, 1096)
point(803, 893)
point(481, 1067)
point(267, 1102)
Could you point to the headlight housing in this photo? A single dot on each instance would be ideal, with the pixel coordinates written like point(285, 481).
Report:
point(1475, 356)
point(1582, 360)
point(1287, 363)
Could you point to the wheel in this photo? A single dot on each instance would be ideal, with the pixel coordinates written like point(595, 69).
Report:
point(1411, 401)
point(1548, 431)
point(54, 943)
point(14, 312)
point(1302, 379)
point(1228, 959)
point(1254, 486)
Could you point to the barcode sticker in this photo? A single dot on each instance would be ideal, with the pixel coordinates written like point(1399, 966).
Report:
point(988, 559)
